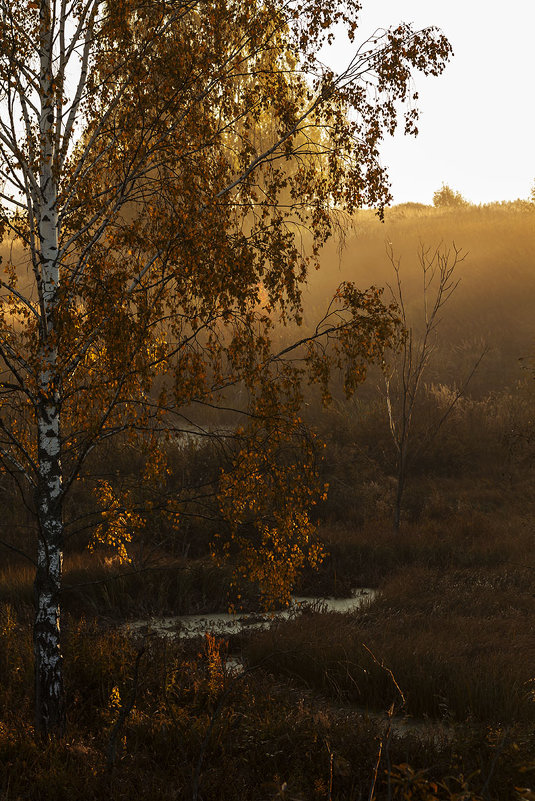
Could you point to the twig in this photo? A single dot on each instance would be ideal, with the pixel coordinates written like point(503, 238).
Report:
point(384, 667)
point(330, 752)
point(393, 710)
point(371, 794)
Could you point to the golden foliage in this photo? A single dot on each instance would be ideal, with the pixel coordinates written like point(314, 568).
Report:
point(213, 144)
point(265, 499)
point(119, 522)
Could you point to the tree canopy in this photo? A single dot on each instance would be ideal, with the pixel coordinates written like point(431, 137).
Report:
point(170, 173)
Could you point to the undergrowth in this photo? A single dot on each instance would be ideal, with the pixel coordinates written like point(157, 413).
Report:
point(198, 731)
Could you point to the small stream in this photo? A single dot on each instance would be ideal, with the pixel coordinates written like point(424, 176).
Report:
point(226, 624)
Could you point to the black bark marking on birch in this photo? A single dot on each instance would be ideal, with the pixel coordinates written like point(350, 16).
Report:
point(49, 690)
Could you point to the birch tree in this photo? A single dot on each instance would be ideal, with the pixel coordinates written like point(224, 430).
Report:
point(158, 163)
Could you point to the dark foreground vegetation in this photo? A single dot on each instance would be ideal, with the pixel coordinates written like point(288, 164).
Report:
point(452, 627)
point(426, 694)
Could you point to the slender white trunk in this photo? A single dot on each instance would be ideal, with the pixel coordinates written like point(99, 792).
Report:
point(49, 696)
point(49, 701)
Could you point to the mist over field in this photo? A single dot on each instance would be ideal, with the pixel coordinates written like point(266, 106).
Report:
point(493, 304)
point(481, 349)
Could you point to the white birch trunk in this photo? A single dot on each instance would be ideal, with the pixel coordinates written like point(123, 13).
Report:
point(49, 695)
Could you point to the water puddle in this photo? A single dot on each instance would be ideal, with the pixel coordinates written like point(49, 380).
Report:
point(224, 624)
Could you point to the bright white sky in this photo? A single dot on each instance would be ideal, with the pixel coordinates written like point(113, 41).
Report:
point(477, 122)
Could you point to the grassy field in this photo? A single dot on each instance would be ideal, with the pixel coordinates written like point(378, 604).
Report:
point(452, 630)
point(448, 644)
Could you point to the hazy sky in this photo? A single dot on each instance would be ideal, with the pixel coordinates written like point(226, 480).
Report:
point(477, 123)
